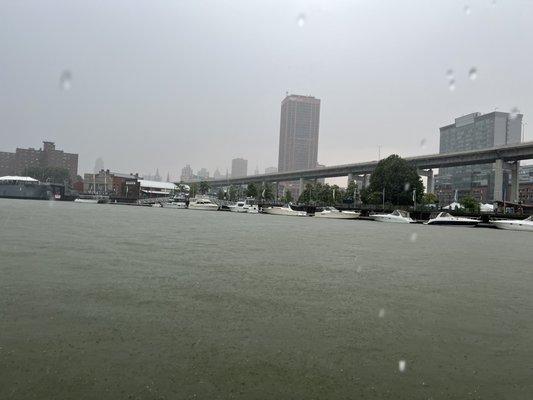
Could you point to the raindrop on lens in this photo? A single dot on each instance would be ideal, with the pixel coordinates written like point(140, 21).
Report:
point(472, 74)
point(493, 4)
point(300, 20)
point(514, 113)
point(449, 74)
point(407, 186)
point(413, 237)
point(381, 313)
point(401, 365)
point(451, 85)
point(467, 10)
point(65, 80)
point(423, 143)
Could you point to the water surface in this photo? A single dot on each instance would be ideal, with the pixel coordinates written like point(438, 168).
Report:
point(111, 302)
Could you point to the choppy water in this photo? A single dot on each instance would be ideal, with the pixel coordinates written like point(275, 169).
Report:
point(110, 302)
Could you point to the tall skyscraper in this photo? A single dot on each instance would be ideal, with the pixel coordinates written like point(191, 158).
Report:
point(239, 167)
point(298, 133)
point(471, 132)
point(186, 173)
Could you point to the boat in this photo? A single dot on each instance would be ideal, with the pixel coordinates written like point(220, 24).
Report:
point(444, 218)
point(397, 216)
point(515, 224)
point(287, 210)
point(332, 212)
point(24, 187)
point(91, 199)
point(240, 207)
point(174, 204)
point(254, 209)
point(203, 204)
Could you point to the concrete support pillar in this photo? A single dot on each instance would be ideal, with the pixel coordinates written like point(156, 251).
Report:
point(276, 188)
point(498, 180)
point(515, 194)
point(350, 179)
point(366, 180)
point(431, 182)
point(301, 189)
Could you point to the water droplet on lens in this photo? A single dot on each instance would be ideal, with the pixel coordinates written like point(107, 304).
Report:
point(423, 143)
point(413, 237)
point(514, 113)
point(65, 80)
point(300, 20)
point(449, 74)
point(381, 313)
point(472, 74)
point(407, 186)
point(401, 365)
point(467, 10)
point(451, 85)
point(493, 4)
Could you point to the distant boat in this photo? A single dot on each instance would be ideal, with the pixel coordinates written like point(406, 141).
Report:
point(332, 212)
point(174, 204)
point(515, 224)
point(288, 211)
point(91, 198)
point(24, 187)
point(444, 218)
point(203, 204)
point(397, 216)
point(239, 207)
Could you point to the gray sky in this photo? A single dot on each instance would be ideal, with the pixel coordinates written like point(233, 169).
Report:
point(159, 84)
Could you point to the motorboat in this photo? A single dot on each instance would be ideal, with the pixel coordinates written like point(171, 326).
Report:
point(444, 218)
point(332, 212)
point(203, 204)
point(254, 209)
point(240, 207)
point(515, 224)
point(397, 216)
point(287, 210)
point(92, 198)
point(174, 204)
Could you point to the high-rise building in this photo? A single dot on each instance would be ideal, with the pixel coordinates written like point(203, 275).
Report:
point(239, 167)
point(17, 162)
point(271, 170)
point(298, 133)
point(471, 132)
point(217, 174)
point(203, 173)
point(186, 173)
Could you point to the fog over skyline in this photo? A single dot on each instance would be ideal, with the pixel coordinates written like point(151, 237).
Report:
point(162, 84)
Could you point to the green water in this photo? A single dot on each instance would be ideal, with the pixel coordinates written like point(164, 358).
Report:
point(120, 302)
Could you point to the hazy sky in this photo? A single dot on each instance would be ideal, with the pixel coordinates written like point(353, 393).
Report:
point(159, 84)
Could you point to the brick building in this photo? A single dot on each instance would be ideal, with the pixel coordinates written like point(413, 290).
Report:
point(15, 163)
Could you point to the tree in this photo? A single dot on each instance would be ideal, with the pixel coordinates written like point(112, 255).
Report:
point(232, 192)
point(430, 198)
point(267, 191)
point(193, 189)
point(287, 197)
point(204, 187)
point(251, 190)
point(48, 174)
point(220, 194)
point(398, 178)
point(470, 204)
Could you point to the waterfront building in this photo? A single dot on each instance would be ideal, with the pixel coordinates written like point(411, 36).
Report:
point(16, 163)
point(298, 133)
point(239, 167)
point(471, 132)
point(114, 184)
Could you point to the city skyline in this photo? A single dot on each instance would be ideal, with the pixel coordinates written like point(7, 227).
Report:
point(91, 101)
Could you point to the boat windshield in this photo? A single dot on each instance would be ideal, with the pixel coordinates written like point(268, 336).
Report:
point(401, 213)
point(444, 215)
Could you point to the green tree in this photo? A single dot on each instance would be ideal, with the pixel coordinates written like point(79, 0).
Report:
point(48, 174)
point(470, 204)
point(220, 194)
point(193, 189)
point(398, 178)
point(267, 191)
point(430, 198)
point(252, 191)
point(287, 197)
point(308, 195)
point(204, 187)
point(232, 193)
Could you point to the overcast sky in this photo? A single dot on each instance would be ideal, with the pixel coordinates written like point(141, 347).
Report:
point(161, 84)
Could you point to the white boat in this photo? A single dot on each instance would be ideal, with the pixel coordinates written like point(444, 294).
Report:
point(91, 198)
point(174, 204)
point(397, 216)
point(288, 211)
point(332, 212)
point(515, 224)
point(203, 204)
point(240, 207)
point(444, 218)
point(254, 209)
